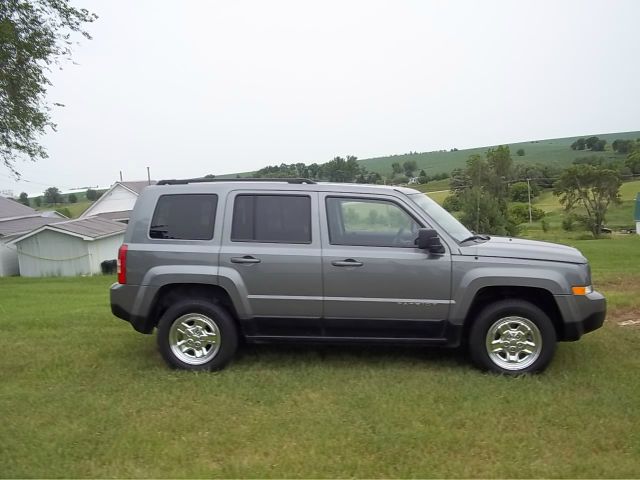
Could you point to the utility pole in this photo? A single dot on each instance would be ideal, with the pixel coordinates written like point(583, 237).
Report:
point(120, 175)
point(148, 176)
point(529, 190)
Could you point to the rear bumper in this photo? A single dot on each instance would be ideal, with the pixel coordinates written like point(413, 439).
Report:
point(581, 314)
point(132, 303)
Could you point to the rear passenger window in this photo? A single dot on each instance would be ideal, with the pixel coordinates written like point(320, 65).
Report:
point(271, 219)
point(184, 217)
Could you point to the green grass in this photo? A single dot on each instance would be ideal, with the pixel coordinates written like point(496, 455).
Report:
point(83, 395)
point(75, 209)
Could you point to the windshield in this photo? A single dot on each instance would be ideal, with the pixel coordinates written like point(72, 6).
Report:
point(439, 215)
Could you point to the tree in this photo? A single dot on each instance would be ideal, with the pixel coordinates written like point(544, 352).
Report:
point(599, 146)
point(395, 168)
point(484, 192)
point(52, 195)
point(409, 167)
point(520, 152)
point(579, 144)
point(34, 35)
point(24, 199)
point(590, 142)
point(623, 146)
point(592, 187)
point(633, 161)
point(38, 201)
point(72, 198)
point(91, 194)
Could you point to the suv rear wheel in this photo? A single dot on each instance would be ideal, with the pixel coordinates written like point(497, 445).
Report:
point(197, 334)
point(512, 337)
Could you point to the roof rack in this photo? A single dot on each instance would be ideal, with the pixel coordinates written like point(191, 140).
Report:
point(207, 180)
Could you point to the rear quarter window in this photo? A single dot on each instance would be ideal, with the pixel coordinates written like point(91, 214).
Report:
point(184, 217)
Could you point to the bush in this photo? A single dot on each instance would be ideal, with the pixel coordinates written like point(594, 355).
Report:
point(92, 195)
point(520, 213)
point(569, 223)
point(72, 198)
point(452, 203)
point(520, 191)
point(545, 225)
point(400, 179)
point(520, 152)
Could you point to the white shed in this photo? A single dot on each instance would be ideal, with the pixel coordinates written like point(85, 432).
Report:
point(75, 247)
point(16, 220)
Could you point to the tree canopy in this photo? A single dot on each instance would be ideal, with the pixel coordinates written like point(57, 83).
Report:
point(591, 187)
point(34, 36)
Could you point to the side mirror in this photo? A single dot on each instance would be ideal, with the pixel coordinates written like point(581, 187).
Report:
point(428, 239)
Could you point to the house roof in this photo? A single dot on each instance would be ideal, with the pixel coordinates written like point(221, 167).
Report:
point(25, 224)
point(134, 187)
point(138, 186)
point(90, 228)
point(11, 209)
point(121, 215)
point(93, 227)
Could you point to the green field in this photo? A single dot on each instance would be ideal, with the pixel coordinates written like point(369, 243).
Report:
point(83, 395)
point(553, 151)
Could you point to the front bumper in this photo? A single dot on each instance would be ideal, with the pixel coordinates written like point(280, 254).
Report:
point(581, 314)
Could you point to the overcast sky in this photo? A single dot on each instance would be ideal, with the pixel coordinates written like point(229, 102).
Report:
point(195, 87)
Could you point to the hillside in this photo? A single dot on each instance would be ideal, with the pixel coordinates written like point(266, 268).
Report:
point(553, 151)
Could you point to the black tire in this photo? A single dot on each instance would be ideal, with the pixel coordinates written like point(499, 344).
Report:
point(497, 312)
point(227, 334)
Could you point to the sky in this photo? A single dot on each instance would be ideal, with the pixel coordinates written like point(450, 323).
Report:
point(189, 88)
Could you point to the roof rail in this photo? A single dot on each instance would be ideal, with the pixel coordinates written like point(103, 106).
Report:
point(207, 180)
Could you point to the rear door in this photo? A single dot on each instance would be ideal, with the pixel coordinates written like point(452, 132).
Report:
point(376, 282)
point(271, 243)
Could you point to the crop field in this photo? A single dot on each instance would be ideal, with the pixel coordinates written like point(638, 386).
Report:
point(552, 151)
point(83, 395)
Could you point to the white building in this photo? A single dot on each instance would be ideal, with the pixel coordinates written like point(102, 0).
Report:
point(70, 248)
point(15, 220)
point(637, 214)
point(117, 202)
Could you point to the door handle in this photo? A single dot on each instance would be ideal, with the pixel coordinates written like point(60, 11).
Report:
point(349, 262)
point(245, 259)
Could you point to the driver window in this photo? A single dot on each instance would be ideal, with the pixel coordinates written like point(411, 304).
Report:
point(365, 222)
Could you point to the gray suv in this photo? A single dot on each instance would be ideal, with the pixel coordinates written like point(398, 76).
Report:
point(210, 263)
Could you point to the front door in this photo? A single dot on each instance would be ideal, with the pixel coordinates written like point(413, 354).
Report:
point(376, 282)
point(271, 243)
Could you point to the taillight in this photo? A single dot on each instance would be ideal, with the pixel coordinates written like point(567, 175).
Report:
point(122, 264)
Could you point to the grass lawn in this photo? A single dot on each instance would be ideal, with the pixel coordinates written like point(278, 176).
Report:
point(83, 395)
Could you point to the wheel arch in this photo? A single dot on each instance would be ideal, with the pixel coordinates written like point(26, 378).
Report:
point(538, 296)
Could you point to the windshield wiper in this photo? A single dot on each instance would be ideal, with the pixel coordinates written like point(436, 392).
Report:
point(476, 237)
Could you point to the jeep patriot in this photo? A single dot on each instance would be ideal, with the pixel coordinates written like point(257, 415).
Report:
point(211, 262)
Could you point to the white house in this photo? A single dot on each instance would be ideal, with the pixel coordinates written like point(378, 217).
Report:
point(70, 248)
point(117, 202)
point(15, 220)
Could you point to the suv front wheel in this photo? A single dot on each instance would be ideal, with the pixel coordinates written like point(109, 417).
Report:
point(512, 337)
point(197, 334)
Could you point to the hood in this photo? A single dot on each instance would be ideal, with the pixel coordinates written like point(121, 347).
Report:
point(507, 247)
